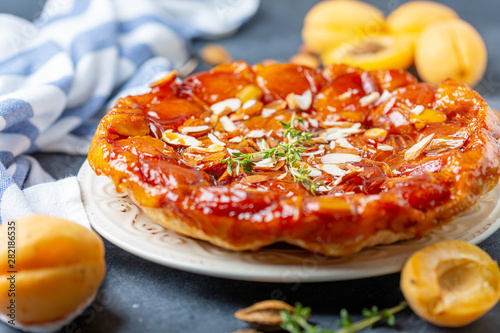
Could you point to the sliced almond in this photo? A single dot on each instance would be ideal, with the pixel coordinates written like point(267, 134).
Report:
point(249, 104)
point(266, 112)
point(236, 139)
point(231, 103)
point(333, 170)
point(299, 102)
point(227, 124)
point(418, 148)
point(215, 140)
point(305, 100)
point(256, 134)
point(194, 129)
point(264, 313)
point(384, 97)
point(347, 176)
point(417, 109)
point(262, 143)
point(252, 179)
point(384, 147)
point(280, 177)
point(338, 158)
point(369, 99)
point(345, 124)
point(342, 142)
point(179, 139)
point(345, 96)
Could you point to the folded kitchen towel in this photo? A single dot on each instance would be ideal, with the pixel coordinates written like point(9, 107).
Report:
point(58, 72)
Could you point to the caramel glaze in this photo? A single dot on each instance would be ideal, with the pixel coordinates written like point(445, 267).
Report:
point(403, 197)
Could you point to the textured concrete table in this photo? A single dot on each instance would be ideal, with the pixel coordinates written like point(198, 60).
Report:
point(140, 296)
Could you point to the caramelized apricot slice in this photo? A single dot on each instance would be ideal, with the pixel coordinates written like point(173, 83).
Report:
point(451, 283)
point(374, 52)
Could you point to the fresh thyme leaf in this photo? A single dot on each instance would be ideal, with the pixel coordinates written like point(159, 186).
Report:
point(290, 151)
point(345, 319)
point(297, 322)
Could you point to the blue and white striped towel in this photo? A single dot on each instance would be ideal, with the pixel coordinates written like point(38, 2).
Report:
point(58, 72)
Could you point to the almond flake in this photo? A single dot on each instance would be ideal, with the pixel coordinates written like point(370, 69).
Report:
point(266, 112)
point(256, 134)
point(338, 158)
point(179, 139)
point(236, 139)
point(249, 104)
point(344, 96)
point(333, 170)
point(313, 122)
point(280, 177)
point(323, 188)
point(384, 97)
point(418, 148)
point(369, 99)
point(314, 172)
point(312, 153)
point(262, 143)
point(210, 149)
point(344, 143)
point(335, 133)
point(385, 147)
point(304, 101)
point(215, 140)
point(266, 163)
point(227, 123)
point(246, 117)
point(417, 109)
point(194, 129)
point(232, 103)
point(329, 123)
point(254, 179)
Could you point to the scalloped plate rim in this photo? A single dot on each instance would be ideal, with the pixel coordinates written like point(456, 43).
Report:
point(217, 266)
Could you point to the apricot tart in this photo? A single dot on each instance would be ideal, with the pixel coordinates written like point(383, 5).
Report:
point(332, 160)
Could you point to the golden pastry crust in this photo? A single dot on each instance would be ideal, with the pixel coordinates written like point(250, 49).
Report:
point(393, 159)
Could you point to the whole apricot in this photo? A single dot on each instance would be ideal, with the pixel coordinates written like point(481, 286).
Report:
point(451, 283)
point(58, 265)
point(451, 49)
point(330, 23)
point(374, 52)
point(414, 16)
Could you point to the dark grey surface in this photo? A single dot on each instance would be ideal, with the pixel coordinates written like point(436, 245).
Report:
point(140, 296)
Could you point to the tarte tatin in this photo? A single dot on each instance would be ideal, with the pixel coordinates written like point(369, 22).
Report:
point(332, 160)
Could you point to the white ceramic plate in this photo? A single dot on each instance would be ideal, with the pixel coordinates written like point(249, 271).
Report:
point(120, 221)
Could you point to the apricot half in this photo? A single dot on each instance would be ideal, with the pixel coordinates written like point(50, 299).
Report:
point(330, 23)
point(451, 49)
point(451, 283)
point(374, 52)
point(51, 267)
point(413, 17)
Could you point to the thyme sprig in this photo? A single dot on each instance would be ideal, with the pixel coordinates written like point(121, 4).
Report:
point(290, 151)
point(297, 322)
